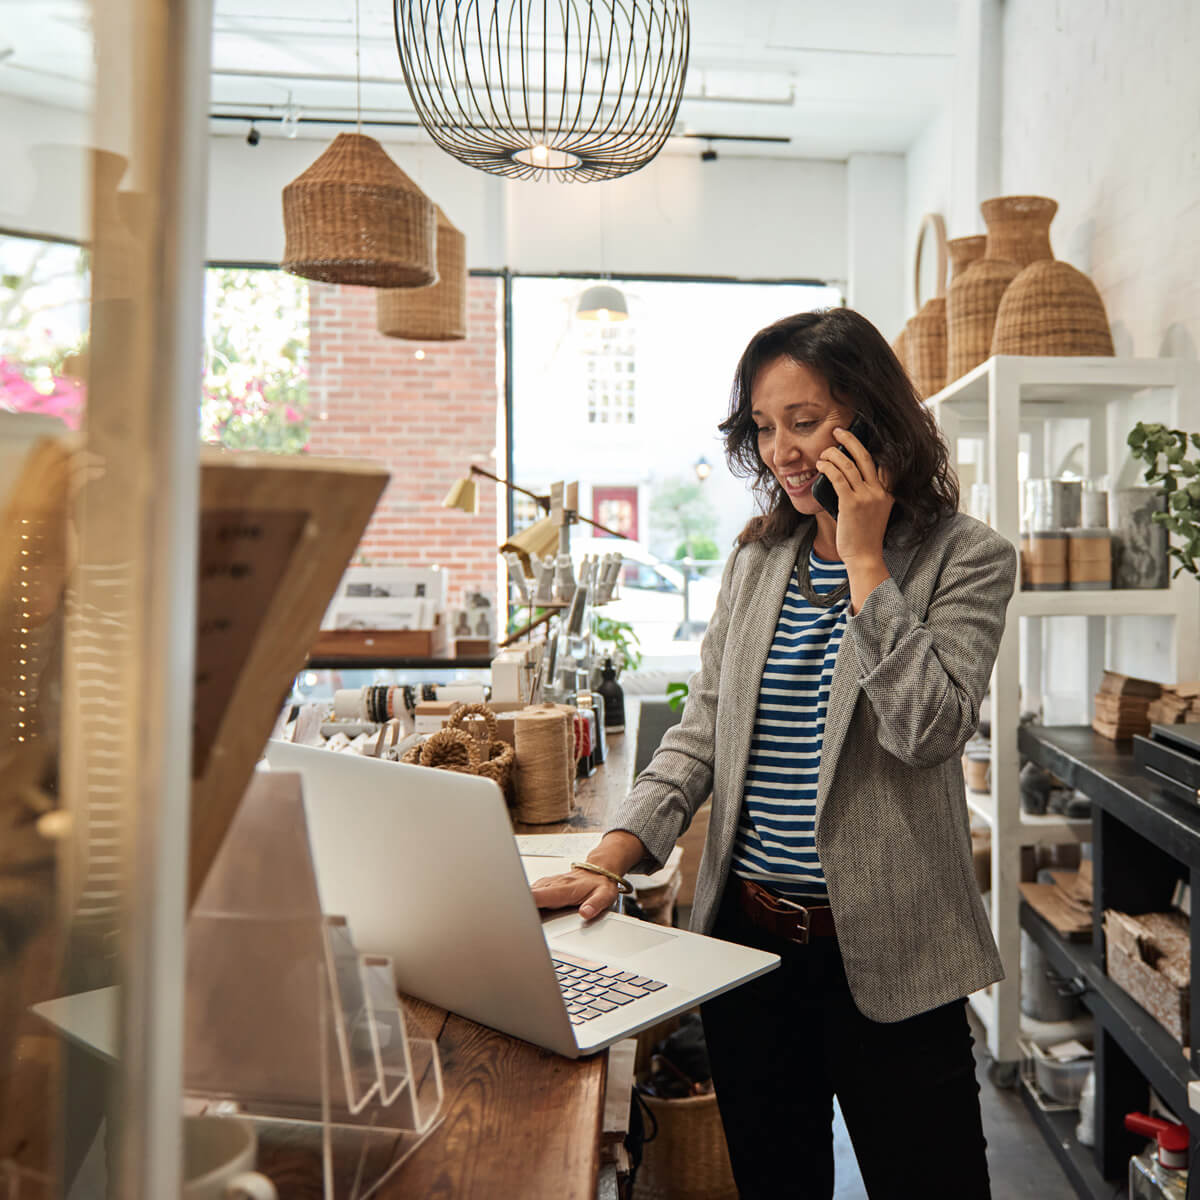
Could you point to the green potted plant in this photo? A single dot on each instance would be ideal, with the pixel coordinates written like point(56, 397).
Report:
point(1165, 453)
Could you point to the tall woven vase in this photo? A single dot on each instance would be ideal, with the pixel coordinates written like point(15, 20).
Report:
point(1018, 234)
point(1051, 308)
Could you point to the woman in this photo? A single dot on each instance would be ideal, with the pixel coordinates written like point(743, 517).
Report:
point(839, 680)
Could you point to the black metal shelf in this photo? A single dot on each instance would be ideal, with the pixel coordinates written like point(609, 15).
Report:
point(1155, 1053)
point(1106, 772)
point(1077, 1161)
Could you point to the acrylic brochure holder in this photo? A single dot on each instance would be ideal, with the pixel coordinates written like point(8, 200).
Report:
point(288, 1024)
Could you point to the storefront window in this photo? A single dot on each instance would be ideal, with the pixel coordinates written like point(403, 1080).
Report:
point(630, 408)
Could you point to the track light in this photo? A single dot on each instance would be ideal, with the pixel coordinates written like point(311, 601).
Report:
point(253, 137)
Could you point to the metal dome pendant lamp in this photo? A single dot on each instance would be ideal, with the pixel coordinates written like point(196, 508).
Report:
point(574, 90)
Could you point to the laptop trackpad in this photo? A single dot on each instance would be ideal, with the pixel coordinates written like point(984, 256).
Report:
point(605, 937)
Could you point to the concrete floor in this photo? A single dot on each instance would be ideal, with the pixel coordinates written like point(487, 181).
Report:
point(1021, 1164)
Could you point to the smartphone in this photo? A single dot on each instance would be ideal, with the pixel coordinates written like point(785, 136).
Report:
point(823, 491)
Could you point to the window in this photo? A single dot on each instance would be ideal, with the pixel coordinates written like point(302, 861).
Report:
point(629, 409)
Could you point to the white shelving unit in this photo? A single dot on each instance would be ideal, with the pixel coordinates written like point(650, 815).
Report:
point(998, 402)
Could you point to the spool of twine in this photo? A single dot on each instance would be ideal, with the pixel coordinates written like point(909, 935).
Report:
point(571, 747)
point(544, 770)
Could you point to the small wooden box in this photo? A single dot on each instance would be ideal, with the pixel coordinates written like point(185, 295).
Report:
point(1149, 956)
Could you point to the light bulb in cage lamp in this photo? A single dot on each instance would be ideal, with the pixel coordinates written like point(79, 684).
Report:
point(602, 303)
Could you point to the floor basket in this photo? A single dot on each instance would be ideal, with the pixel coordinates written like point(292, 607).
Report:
point(687, 1160)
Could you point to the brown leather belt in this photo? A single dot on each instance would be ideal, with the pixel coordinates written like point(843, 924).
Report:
point(782, 918)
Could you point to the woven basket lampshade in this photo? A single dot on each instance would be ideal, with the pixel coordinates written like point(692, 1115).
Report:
point(432, 314)
point(355, 217)
point(1051, 308)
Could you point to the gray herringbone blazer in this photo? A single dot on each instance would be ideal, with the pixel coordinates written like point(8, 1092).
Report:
point(892, 826)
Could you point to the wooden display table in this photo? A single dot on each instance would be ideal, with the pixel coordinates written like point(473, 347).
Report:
point(518, 1120)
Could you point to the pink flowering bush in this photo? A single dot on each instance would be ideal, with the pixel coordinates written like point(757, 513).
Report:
point(41, 390)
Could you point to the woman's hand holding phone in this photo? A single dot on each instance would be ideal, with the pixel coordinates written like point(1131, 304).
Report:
point(863, 502)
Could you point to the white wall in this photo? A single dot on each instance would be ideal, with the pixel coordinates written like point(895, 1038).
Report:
point(927, 189)
point(1102, 112)
point(875, 185)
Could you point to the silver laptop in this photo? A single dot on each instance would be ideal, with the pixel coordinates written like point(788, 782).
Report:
point(423, 865)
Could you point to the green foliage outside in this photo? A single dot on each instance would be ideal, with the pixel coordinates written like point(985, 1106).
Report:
point(255, 361)
point(1179, 477)
point(618, 641)
point(700, 547)
point(681, 511)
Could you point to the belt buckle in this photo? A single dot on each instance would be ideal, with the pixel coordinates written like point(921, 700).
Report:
point(801, 936)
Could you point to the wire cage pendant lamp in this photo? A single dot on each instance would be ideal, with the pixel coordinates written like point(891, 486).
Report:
point(575, 90)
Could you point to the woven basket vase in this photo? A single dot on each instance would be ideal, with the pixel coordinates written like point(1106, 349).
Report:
point(688, 1160)
point(432, 314)
point(926, 342)
point(1051, 308)
point(1018, 227)
point(355, 217)
point(1018, 234)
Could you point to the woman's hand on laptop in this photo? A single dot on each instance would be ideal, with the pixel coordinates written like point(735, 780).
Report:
point(591, 891)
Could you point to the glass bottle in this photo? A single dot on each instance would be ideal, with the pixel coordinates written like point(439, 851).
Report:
point(614, 699)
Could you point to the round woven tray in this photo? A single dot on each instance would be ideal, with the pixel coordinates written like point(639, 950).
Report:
point(355, 217)
point(1051, 308)
point(432, 314)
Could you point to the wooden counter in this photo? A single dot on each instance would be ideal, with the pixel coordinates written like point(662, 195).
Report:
point(518, 1121)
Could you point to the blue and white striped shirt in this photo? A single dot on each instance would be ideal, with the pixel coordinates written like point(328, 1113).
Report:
point(776, 839)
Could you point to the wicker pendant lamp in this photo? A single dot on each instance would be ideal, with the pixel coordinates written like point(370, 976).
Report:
point(432, 314)
point(355, 217)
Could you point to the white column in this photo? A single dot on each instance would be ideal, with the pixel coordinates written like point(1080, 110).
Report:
point(877, 259)
point(976, 113)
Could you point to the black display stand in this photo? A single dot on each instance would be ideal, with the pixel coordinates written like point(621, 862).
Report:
point(1143, 843)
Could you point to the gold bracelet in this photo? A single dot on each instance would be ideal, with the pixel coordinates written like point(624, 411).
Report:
point(624, 887)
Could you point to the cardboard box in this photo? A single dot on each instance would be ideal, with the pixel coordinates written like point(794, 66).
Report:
point(1149, 956)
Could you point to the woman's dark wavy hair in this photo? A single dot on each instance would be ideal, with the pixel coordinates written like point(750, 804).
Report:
point(866, 376)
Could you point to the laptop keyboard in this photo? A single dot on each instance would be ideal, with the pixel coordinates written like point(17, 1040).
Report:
point(591, 989)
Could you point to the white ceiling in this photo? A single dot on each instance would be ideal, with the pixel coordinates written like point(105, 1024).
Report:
point(831, 78)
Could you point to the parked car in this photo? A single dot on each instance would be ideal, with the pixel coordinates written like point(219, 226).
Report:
point(651, 592)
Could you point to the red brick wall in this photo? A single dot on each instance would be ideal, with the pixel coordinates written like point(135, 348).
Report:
point(425, 419)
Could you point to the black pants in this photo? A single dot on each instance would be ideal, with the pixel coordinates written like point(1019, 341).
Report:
point(783, 1045)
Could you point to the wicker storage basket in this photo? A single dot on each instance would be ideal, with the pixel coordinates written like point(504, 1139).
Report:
point(1051, 308)
point(1018, 227)
point(432, 314)
point(355, 217)
point(688, 1159)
